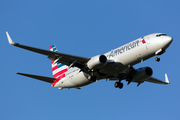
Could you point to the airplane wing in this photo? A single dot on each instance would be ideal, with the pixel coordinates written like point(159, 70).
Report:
point(154, 80)
point(42, 78)
point(130, 71)
point(55, 56)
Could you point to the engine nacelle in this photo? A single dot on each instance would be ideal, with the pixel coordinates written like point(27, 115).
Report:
point(97, 62)
point(143, 73)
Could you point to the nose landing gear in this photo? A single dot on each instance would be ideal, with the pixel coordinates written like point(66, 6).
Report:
point(159, 52)
point(157, 59)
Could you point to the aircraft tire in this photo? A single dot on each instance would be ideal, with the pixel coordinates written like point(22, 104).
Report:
point(118, 85)
point(157, 59)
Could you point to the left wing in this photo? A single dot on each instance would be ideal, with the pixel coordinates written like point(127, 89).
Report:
point(70, 60)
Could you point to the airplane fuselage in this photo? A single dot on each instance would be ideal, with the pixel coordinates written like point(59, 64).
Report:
point(119, 60)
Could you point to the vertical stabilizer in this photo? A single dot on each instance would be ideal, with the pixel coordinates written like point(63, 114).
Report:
point(58, 69)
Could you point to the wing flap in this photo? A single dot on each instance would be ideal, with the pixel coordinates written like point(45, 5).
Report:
point(42, 78)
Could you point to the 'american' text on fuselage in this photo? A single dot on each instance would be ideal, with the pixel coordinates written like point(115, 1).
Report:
point(123, 49)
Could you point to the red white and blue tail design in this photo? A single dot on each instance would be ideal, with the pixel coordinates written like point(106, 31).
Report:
point(58, 69)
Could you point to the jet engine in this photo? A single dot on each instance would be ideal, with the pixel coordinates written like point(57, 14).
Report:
point(97, 62)
point(143, 73)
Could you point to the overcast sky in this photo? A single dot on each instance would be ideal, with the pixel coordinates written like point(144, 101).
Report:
point(86, 28)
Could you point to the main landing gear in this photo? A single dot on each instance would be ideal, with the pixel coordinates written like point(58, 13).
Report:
point(118, 85)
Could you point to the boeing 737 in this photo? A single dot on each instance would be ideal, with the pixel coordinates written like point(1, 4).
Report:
point(70, 71)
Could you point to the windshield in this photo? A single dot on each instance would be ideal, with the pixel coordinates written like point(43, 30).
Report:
point(161, 35)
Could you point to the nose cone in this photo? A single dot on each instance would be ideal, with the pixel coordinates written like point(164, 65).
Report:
point(167, 41)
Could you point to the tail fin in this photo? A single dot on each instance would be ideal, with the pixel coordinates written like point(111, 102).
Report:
point(58, 69)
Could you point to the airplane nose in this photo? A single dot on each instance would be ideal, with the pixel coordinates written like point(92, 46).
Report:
point(167, 41)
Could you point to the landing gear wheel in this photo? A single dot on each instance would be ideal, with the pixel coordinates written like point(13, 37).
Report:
point(118, 85)
point(157, 59)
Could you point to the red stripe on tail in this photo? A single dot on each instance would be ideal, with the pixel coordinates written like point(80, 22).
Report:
point(54, 68)
point(60, 72)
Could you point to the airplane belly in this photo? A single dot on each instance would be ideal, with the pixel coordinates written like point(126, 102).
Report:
point(112, 69)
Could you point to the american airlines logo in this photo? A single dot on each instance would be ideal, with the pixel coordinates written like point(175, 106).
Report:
point(143, 41)
point(123, 49)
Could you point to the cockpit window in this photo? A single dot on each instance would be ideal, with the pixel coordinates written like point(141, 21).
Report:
point(161, 35)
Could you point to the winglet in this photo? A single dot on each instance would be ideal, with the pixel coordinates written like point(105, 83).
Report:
point(166, 79)
point(10, 40)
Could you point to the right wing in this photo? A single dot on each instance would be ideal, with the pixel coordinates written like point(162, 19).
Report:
point(70, 60)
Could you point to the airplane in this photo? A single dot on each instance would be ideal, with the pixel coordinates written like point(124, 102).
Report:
point(70, 71)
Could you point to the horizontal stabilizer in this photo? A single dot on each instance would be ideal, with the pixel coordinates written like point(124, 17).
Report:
point(42, 78)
